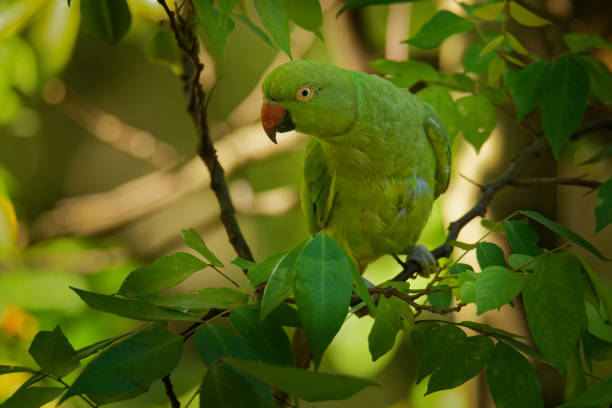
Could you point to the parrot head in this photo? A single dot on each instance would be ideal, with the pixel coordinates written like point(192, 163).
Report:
point(311, 97)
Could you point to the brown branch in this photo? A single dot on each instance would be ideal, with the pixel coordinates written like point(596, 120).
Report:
point(567, 181)
point(480, 208)
point(183, 31)
point(508, 177)
point(391, 291)
point(174, 402)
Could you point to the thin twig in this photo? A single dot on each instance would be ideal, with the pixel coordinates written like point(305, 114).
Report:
point(567, 181)
point(224, 275)
point(193, 396)
point(187, 41)
point(508, 177)
point(174, 402)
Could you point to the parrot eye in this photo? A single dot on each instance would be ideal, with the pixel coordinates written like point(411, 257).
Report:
point(304, 94)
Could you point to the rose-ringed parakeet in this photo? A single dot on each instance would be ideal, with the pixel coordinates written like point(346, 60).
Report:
point(377, 157)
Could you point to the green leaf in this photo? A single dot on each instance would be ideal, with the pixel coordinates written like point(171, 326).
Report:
point(225, 9)
point(215, 27)
point(224, 386)
point(243, 263)
point(15, 14)
point(578, 42)
point(564, 99)
point(406, 73)
point(467, 286)
point(510, 375)
point(439, 98)
point(600, 78)
point(162, 49)
point(451, 357)
point(464, 362)
point(564, 232)
point(598, 285)
point(53, 352)
point(131, 365)
point(441, 26)
point(495, 287)
point(529, 86)
point(6, 369)
point(603, 211)
point(353, 4)
point(215, 342)
point(486, 329)
point(554, 304)
point(162, 274)
point(195, 242)
point(267, 338)
point(595, 348)
point(600, 393)
point(132, 308)
point(307, 14)
point(385, 328)
point(285, 315)
point(605, 152)
point(99, 345)
point(261, 272)
point(405, 313)
point(258, 31)
point(475, 62)
point(207, 298)
point(307, 385)
point(492, 45)
point(514, 60)
point(496, 69)
point(516, 44)
point(490, 12)
point(458, 81)
point(596, 325)
point(519, 261)
point(440, 299)
point(489, 254)
point(280, 283)
point(32, 397)
point(458, 268)
point(322, 288)
point(523, 238)
point(361, 289)
point(477, 119)
point(274, 16)
point(106, 20)
point(526, 17)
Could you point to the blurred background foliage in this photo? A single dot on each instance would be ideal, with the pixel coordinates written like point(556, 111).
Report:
point(98, 171)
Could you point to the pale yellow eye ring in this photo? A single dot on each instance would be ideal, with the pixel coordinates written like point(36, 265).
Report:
point(305, 93)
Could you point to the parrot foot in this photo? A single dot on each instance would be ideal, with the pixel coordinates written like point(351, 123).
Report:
point(421, 255)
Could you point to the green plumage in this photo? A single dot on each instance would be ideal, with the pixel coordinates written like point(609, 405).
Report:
point(377, 158)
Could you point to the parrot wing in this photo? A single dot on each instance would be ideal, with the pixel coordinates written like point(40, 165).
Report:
point(318, 187)
point(438, 137)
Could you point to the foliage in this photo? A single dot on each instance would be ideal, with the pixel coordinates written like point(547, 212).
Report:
point(314, 286)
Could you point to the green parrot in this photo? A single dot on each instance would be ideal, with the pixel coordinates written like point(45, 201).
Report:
point(376, 159)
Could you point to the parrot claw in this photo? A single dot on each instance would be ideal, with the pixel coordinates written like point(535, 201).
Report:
point(421, 255)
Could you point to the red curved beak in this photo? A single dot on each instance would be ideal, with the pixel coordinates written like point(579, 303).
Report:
point(272, 114)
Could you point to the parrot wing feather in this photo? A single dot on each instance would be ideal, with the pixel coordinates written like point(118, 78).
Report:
point(438, 137)
point(318, 187)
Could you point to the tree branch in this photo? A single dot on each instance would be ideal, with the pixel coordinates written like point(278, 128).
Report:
point(174, 402)
point(508, 177)
point(567, 181)
point(183, 31)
